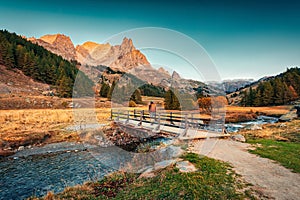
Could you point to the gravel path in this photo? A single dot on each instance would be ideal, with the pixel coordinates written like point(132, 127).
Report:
point(270, 178)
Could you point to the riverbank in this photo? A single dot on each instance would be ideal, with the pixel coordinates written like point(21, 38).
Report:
point(211, 180)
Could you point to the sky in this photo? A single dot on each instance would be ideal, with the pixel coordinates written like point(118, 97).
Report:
point(243, 39)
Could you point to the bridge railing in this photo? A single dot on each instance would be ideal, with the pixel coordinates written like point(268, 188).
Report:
point(179, 119)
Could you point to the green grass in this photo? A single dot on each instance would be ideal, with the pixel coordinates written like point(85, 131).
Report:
point(213, 180)
point(286, 153)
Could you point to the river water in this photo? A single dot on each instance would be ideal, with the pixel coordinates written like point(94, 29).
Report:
point(35, 175)
point(235, 127)
point(34, 172)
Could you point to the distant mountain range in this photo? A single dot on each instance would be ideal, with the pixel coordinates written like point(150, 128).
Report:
point(54, 61)
point(124, 58)
point(230, 86)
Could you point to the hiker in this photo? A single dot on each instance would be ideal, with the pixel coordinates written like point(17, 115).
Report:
point(152, 111)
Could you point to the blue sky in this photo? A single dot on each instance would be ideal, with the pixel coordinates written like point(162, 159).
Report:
point(244, 39)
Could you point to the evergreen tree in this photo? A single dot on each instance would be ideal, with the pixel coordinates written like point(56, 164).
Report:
point(287, 94)
point(104, 90)
point(111, 90)
point(278, 91)
point(267, 92)
point(9, 58)
point(251, 97)
point(136, 96)
point(65, 87)
point(171, 101)
point(258, 99)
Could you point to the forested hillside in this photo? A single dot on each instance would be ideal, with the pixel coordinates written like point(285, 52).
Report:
point(38, 63)
point(279, 90)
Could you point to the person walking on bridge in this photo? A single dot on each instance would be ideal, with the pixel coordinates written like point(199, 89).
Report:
point(152, 111)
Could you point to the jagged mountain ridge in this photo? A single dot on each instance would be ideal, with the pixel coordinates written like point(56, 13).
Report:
point(124, 57)
point(119, 57)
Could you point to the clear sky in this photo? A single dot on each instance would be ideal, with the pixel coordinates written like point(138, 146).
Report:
point(245, 39)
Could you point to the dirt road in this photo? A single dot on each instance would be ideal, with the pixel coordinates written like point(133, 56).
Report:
point(270, 178)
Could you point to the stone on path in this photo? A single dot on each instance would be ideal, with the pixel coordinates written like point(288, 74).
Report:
point(239, 138)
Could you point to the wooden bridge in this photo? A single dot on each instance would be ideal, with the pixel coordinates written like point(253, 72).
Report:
point(184, 125)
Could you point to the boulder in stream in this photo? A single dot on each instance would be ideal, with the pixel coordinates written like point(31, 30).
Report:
point(253, 127)
point(289, 116)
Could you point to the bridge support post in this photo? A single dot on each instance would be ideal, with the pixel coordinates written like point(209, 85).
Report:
point(118, 115)
point(186, 125)
point(141, 118)
point(157, 129)
point(127, 121)
point(171, 119)
point(193, 122)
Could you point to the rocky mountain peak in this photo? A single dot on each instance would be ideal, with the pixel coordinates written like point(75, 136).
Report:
point(127, 43)
point(126, 46)
point(163, 71)
point(57, 43)
point(93, 46)
point(56, 38)
point(175, 76)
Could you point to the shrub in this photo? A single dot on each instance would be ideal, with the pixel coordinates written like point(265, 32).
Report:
point(132, 103)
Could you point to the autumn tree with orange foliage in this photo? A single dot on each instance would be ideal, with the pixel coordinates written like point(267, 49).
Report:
point(206, 104)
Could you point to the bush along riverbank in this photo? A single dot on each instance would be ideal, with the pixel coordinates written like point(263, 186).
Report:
point(207, 179)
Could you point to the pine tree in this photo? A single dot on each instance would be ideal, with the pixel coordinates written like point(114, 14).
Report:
point(278, 91)
point(111, 90)
point(267, 93)
point(104, 90)
point(65, 87)
point(257, 101)
point(9, 58)
point(287, 94)
point(171, 101)
point(251, 97)
point(136, 96)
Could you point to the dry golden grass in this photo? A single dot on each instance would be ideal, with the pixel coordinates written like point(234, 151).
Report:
point(47, 119)
point(32, 126)
point(272, 110)
point(279, 131)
